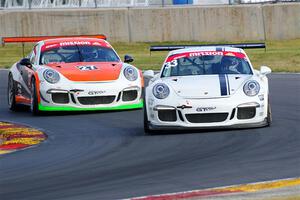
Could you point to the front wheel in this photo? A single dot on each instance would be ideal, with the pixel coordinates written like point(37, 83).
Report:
point(11, 94)
point(269, 116)
point(147, 128)
point(34, 106)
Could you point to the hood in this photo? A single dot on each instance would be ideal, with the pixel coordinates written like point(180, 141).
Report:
point(89, 71)
point(207, 86)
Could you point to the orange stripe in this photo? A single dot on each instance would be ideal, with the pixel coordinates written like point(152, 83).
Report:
point(39, 38)
point(142, 78)
point(37, 84)
point(21, 99)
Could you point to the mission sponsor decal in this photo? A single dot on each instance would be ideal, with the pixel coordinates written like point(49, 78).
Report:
point(205, 53)
point(72, 43)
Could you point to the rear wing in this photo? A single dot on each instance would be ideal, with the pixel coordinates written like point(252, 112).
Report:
point(35, 39)
point(240, 45)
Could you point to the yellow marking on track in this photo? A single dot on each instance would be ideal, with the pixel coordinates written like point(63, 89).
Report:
point(4, 151)
point(14, 137)
point(4, 123)
point(28, 141)
point(254, 187)
point(225, 190)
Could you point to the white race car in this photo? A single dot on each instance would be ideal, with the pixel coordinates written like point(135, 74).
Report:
point(206, 87)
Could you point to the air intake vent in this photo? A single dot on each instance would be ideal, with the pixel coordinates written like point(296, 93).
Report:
point(167, 115)
point(246, 113)
point(129, 95)
point(206, 118)
point(96, 100)
point(60, 98)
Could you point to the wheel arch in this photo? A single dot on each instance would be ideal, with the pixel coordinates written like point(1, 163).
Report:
point(36, 80)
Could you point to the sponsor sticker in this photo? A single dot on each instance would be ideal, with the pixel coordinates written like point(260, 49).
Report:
point(71, 43)
point(94, 93)
point(205, 109)
point(51, 46)
point(206, 53)
point(229, 54)
point(96, 43)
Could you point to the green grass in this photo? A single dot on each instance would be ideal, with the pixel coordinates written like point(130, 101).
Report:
point(281, 56)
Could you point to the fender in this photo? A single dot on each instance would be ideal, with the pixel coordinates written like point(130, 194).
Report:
point(37, 84)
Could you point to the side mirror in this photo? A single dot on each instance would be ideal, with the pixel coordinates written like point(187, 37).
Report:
point(128, 59)
point(26, 62)
point(264, 70)
point(148, 74)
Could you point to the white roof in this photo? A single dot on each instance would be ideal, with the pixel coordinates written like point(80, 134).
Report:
point(206, 48)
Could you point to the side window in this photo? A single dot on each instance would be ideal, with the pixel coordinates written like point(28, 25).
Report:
point(32, 56)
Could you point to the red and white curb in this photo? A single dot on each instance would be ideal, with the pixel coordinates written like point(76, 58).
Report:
point(234, 189)
point(15, 137)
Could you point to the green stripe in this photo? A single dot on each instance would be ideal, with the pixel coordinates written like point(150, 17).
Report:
point(69, 108)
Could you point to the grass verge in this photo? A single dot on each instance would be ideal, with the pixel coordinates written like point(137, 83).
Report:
point(281, 56)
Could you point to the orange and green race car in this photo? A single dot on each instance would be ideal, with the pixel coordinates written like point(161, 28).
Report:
point(74, 74)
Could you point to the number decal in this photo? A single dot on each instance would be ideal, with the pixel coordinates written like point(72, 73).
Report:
point(173, 63)
point(87, 68)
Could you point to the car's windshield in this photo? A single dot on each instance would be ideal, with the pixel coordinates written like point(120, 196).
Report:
point(78, 53)
point(206, 65)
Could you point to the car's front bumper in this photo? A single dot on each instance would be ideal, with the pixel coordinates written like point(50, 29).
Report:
point(234, 126)
point(90, 96)
point(207, 113)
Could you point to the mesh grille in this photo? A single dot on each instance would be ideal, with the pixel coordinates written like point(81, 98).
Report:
point(167, 115)
point(96, 100)
point(129, 95)
point(206, 118)
point(60, 98)
point(246, 113)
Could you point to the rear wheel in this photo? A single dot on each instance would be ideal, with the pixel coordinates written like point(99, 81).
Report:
point(11, 94)
point(34, 106)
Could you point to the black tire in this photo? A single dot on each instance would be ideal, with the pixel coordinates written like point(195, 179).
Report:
point(147, 128)
point(269, 116)
point(11, 93)
point(34, 105)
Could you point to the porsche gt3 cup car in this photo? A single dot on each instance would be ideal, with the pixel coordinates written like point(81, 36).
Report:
point(74, 74)
point(207, 87)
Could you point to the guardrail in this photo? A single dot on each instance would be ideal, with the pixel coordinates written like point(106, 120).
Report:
point(38, 4)
point(156, 24)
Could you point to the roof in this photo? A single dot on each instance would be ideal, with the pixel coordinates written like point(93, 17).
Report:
point(58, 42)
point(207, 48)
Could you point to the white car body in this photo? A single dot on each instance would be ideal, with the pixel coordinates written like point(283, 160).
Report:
point(197, 101)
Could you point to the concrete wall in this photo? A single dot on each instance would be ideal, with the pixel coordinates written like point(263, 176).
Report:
point(282, 22)
point(198, 23)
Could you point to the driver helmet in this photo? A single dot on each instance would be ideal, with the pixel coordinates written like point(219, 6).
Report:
point(230, 63)
point(89, 53)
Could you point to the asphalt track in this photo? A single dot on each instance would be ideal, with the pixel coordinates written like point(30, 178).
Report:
point(105, 155)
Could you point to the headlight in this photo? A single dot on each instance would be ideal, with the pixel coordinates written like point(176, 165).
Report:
point(130, 73)
point(51, 76)
point(251, 88)
point(161, 91)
